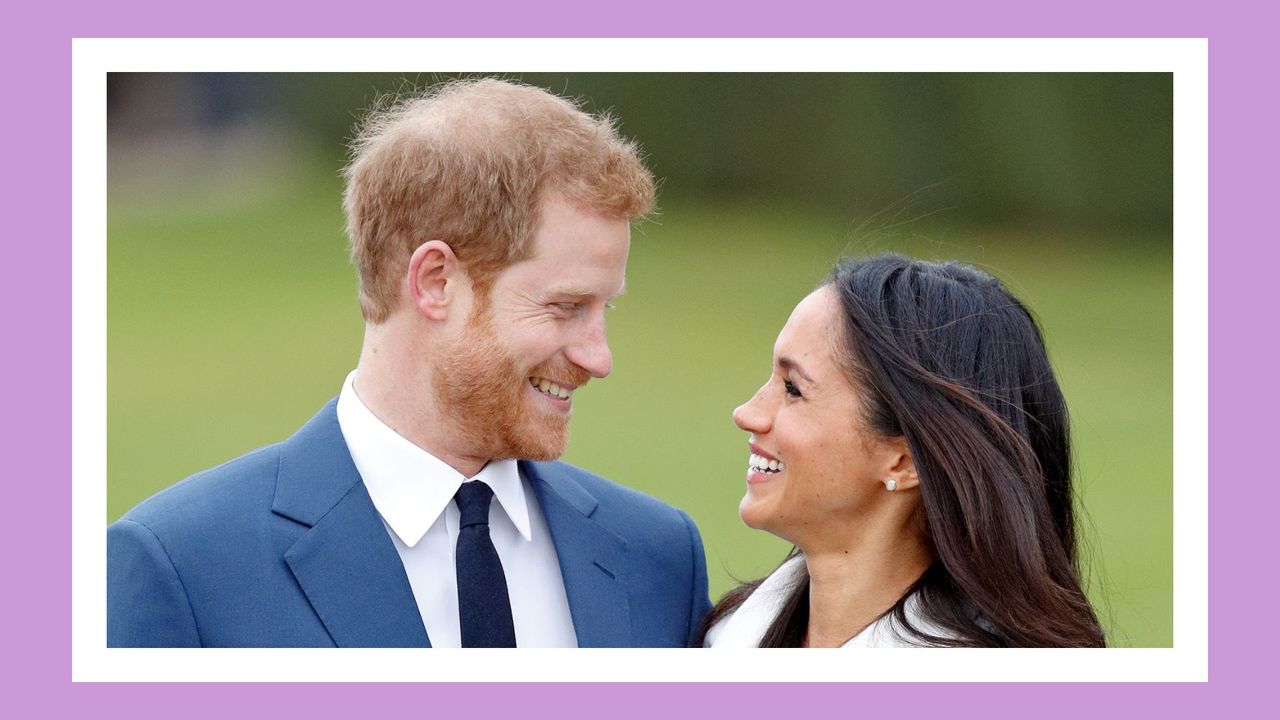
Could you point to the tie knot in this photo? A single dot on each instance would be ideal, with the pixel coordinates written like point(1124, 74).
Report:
point(473, 502)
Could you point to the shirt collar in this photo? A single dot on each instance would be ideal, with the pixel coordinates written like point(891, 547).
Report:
point(409, 486)
point(748, 624)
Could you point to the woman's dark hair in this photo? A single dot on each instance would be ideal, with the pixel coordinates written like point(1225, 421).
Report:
point(948, 359)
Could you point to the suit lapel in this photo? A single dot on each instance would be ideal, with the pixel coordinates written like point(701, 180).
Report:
point(592, 559)
point(345, 563)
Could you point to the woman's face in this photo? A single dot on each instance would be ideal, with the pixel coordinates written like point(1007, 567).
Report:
point(815, 468)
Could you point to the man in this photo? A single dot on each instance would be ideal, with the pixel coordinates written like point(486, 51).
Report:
point(489, 224)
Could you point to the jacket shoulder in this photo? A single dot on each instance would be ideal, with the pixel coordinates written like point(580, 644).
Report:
point(220, 496)
point(667, 562)
point(635, 513)
point(604, 489)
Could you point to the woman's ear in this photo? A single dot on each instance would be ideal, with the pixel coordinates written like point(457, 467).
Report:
point(900, 468)
point(434, 279)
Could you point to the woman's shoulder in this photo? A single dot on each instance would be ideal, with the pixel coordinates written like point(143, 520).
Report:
point(746, 626)
point(889, 631)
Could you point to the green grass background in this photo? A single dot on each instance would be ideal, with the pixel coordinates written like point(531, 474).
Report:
point(232, 318)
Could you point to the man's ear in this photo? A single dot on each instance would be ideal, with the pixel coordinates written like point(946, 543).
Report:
point(900, 468)
point(434, 279)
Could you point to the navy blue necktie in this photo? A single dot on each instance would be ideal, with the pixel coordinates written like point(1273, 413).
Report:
point(484, 607)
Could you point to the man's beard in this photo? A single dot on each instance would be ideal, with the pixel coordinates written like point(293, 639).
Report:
point(483, 391)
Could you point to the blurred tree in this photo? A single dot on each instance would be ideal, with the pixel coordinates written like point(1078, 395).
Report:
point(1070, 150)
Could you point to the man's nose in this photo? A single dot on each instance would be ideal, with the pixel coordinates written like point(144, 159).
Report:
point(591, 352)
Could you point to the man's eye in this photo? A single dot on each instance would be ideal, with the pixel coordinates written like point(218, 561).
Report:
point(791, 388)
point(565, 307)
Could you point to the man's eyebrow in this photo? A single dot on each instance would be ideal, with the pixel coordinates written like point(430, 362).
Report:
point(790, 365)
point(580, 292)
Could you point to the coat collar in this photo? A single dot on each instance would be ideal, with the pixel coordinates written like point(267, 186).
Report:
point(345, 563)
point(592, 558)
point(352, 575)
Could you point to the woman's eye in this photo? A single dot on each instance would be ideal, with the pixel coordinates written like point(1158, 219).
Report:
point(791, 388)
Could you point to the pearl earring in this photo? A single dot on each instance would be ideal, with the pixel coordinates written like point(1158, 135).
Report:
point(891, 485)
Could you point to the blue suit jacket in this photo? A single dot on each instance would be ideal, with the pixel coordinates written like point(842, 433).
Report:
point(283, 548)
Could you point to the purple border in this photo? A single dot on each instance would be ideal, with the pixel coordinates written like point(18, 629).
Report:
point(36, 603)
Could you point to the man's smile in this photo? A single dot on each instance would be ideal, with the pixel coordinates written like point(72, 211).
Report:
point(551, 388)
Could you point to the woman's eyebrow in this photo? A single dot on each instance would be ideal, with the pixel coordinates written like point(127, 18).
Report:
point(790, 365)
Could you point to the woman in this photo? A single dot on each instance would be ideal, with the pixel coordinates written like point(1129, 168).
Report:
point(912, 444)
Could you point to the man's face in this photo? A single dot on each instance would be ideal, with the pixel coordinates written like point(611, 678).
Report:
point(509, 380)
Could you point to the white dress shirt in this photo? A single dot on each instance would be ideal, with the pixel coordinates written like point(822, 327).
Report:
point(413, 492)
point(746, 626)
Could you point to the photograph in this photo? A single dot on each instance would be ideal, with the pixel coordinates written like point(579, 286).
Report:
point(460, 359)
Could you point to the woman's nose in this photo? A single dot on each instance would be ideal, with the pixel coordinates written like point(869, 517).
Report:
point(752, 416)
